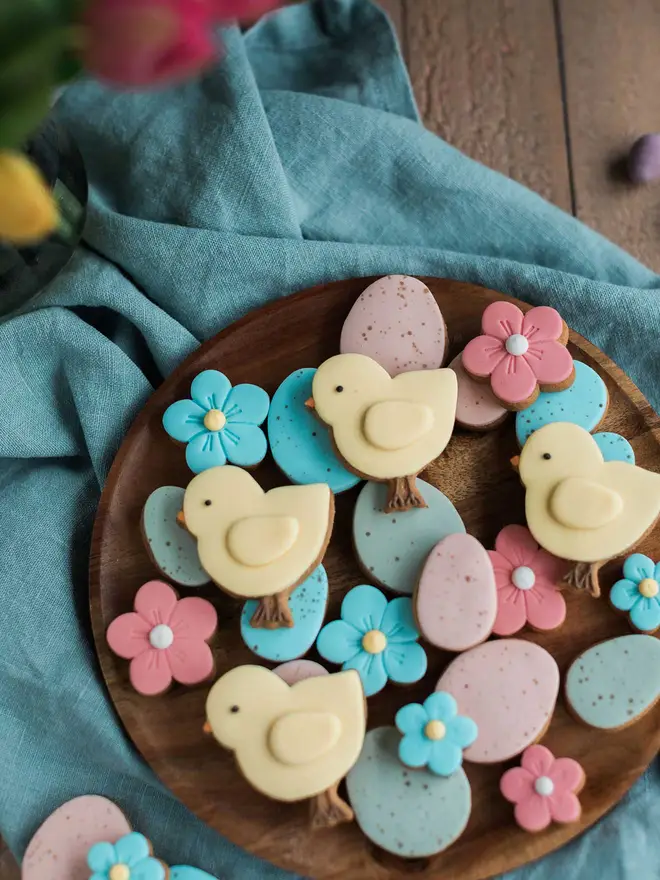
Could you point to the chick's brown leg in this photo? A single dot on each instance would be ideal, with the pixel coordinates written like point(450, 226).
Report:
point(583, 577)
point(328, 810)
point(272, 612)
point(403, 494)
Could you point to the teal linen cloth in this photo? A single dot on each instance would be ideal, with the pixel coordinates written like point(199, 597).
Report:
point(299, 159)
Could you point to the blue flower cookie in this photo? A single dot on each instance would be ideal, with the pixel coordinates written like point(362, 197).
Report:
point(638, 592)
point(130, 857)
point(434, 734)
point(220, 423)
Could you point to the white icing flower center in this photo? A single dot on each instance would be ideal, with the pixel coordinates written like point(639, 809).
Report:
point(517, 344)
point(523, 577)
point(214, 420)
point(648, 588)
point(161, 637)
point(119, 872)
point(374, 642)
point(435, 730)
point(544, 786)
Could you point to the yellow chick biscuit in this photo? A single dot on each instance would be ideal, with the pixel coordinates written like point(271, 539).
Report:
point(292, 742)
point(256, 544)
point(386, 429)
point(580, 507)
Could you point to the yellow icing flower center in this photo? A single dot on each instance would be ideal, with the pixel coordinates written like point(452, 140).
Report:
point(119, 872)
point(648, 588)
point(435, 730)
point(214, 420)
point(374, 642)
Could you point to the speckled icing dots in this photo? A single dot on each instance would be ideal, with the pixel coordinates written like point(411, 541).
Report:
point(456, 599)
point(477, 407)
point(307, 603)
point(509, 688)
point(584, 404)
point(172, 549)
point(397, 322)
point(300, 442)
point(392, 548)
point(614, 683)
point(411, 813)
point(614, 447)
point(183, 872)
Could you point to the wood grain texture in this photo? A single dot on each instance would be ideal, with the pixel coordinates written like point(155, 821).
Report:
point(486, 77)
point(475, 472)
point(612, 83)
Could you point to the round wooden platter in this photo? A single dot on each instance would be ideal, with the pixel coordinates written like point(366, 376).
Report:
point(265, 347)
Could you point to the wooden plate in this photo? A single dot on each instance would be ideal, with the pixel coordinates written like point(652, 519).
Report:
point(267, 345)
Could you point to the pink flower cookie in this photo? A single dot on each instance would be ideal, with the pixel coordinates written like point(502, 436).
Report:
point(164, 638)
point(520, 353)
point(544, 789)
point(526, 578)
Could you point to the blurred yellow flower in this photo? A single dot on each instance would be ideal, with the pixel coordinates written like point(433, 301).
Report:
point(28, 212)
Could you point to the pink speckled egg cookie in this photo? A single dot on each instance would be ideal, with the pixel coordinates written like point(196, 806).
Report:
point(477, 408)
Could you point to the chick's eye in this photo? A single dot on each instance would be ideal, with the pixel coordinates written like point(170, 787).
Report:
point(546, 456)
point(207, 502)
point(234, 709)
point(339, 389)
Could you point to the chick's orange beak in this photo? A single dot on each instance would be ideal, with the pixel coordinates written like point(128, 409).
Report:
point(515, 463)
point(309, 403)
point(206, 728)
point(181, 520)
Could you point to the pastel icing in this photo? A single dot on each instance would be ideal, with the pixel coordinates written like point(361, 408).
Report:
point(638, 592)
point(477, 406)
point(393, 548)
point(298, 670)
point(220, 423)
point(307, 604)
point(579, 507)
point(255, 543)
point(172, 548)
point(301, 445)
point(614, 447)
point(165, 638)
point(383, 427)
point(527, 579)
point(456, 601)
point(518, 352)
point(434, 734)
point(183, 872)
point(397, 322)
point(290, 742)
point(376, 637)
point(411, 813)
point(544, 789)
point(584, 404)
point(58, 850)
point(509, 688)
point(614, 683)
point(110, 861)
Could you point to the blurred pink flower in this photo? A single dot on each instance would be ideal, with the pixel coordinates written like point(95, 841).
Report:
point(138, 43)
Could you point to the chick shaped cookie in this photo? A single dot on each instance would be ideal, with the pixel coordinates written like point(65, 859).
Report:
point(256, 544)
point(386, 429)
point(580, 507)
point(291, 742)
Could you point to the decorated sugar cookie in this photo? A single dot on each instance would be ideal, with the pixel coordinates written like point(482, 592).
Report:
point(307, 604)
point(291, 742)
point(613, 684)
point(455, 602)
point(256, 544)
point(386, 429)
point(220, 423)
point(520, 353)
point(298, 670)
point(396, 321)
point(129, 858)
point(59, 848)
point(614, 447)
point(581, 508)
point(300, 444)
point(165, 638)
point(477, 408)
point(411, 813)
point(508, 687)
point(434, 735)
point(584, 403)
point(527, 578)
point(376, 637)
point(172, 549)
point(638, 592)
point(544, 789)
point(392, 549)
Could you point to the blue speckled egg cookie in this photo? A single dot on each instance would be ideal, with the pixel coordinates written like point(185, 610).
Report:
point(614, 447)
point(172, 549)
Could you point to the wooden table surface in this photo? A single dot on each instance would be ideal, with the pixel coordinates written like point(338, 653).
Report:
point(549, 92)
